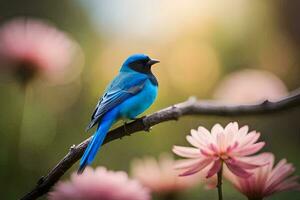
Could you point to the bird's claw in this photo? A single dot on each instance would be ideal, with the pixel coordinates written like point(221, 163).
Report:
point(148, 129)
point(125, 129)
point(72, 147)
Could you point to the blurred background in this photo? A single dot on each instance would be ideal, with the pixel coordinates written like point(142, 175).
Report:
point(236, 51)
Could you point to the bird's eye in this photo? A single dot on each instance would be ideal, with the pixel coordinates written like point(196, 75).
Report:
point(143, 62)
point(139, 63)
point(140, 66)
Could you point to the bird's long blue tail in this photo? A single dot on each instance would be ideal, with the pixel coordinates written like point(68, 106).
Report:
point(95, 143)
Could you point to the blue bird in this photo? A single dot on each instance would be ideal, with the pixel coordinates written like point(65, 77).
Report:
point(128, 95)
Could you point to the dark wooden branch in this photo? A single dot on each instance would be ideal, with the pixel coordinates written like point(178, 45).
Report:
point(189, 107)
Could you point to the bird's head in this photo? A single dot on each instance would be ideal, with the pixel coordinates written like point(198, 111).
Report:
point(139, 63)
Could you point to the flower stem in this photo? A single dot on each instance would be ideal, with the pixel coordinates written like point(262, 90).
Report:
point(26, 97)
point(170, 196)
point(219, 184)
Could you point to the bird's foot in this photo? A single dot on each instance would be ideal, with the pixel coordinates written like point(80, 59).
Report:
point(125, 129)
point(72, 147)
point(148, 129)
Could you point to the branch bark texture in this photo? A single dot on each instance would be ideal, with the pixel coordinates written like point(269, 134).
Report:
point(187, 108)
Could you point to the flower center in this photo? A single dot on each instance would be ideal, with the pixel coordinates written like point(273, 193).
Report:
point(223, 156)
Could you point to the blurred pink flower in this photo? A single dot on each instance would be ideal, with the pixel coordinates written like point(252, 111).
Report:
point(29, 47)
point(266, 180)
point(99, 184)
point(250, 86)
point(159, 175)
point(229, 145)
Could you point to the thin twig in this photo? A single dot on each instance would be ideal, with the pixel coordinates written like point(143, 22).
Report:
point(187, 108)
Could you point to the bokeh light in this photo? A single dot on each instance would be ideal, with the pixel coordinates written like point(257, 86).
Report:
point(249, 87)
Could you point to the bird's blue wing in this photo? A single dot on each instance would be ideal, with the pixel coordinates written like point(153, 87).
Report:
point(121, 88)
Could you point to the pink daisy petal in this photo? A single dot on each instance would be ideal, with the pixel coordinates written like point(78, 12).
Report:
point(265, 180)
point(187, 152)
point(99, 183)
point(232, 127)
point(207, 152)
point(250, 138)
point(216, 129)
point(289, 183)
point(196, 135)
point(202, 135)
point(243, 164)
point(278, 169)
point(203, 131)
point(197, 167)
point(237, 170)
point(232, 145)
point(214, 169)
point(277, 179)
point(186, 163)
point(31, 48)
point(243, 131)
point(251, 149)
point(159, 175)
point(193, 141)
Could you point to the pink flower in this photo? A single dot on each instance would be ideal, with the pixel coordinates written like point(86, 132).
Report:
point(99, 184)
point(29, 47)
point(159, 175)
point(250, 86)
point(266, 180)
point(229, 145)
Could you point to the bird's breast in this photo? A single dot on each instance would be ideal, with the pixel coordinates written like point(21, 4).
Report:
point(137, 104)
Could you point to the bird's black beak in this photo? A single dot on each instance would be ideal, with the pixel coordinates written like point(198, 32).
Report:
point(152, 62)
